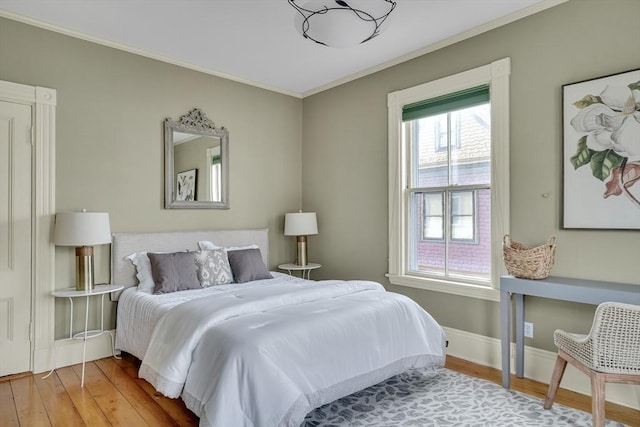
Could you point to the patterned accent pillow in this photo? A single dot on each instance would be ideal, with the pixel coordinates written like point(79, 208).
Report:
point(213, 267)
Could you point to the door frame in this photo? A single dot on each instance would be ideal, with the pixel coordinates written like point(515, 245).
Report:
point(43, 175)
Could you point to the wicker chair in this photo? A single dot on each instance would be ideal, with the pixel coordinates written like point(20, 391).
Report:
point(610, 353)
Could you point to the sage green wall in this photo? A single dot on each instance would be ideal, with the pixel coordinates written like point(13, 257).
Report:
point(109, 149)
point(109, 153)
point(344, 152)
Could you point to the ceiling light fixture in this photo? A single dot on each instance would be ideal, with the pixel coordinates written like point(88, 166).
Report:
point(340, 23)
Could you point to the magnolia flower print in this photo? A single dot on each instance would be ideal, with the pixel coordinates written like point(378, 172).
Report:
point(610, 145)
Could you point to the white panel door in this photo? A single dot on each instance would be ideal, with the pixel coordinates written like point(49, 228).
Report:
point(15, 238)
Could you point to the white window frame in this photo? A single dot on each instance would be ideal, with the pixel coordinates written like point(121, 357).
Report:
point(496, 75)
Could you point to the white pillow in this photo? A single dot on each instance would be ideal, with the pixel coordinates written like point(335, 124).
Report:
point(143, 270)
point(206, 245)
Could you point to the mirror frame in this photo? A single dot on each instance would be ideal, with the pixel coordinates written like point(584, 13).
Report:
point(194, 122)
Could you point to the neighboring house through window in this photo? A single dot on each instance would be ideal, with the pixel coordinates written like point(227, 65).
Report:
point(448, 182)
point(446, 131)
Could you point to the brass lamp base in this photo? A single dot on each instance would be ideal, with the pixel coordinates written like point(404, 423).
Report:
point(84, 268)
point(301, 254)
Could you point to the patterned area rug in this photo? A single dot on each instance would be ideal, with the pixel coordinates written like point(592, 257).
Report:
point(441, 397)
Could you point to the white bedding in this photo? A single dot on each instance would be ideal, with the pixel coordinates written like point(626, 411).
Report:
point(138, 312)
point(265, 353)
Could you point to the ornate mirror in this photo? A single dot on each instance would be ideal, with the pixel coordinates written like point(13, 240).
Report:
point(196, 163)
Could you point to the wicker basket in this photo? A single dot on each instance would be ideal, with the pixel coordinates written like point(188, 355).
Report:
point(528, 263)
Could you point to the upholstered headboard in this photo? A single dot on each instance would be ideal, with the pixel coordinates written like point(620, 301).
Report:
point(123, 244)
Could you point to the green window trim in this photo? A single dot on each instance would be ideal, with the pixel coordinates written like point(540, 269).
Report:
point(216, 160)
point(445, 103)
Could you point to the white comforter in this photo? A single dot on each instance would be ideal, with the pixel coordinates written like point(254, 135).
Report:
point(266, 356)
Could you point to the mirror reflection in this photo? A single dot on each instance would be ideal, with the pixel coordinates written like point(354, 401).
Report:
point(196, 163)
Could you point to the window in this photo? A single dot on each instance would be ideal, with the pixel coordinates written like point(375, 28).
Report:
point(463, 216)
point(448, 182)
point(433, 219)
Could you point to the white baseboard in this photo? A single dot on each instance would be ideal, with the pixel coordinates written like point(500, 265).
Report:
point(538, 365)
point(69, 352)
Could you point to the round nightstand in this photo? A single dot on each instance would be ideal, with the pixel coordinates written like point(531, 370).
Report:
point(72, 293)
point(305, 269)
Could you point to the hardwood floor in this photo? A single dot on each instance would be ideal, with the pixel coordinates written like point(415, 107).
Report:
point(113, 395)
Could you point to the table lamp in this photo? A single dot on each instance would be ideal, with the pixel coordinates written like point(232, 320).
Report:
point(300, 224)
point(82, 230)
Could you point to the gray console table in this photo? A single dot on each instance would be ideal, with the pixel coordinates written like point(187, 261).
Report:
point(560, 288)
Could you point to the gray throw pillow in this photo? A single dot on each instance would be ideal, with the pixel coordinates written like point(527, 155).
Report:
point(247, 265)
point(173, 272)
point(213, 267)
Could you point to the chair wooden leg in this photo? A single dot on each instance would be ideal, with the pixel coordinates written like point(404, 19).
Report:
point(558, 372)
point(597, 398)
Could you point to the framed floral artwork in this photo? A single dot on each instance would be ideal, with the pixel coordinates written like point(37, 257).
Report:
point(601, 152)
point(186, 186)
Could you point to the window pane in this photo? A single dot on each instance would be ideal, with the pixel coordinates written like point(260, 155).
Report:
point(471, 161)
point(431, 159)
point(433, 204)
point(441, 133)
point(472, 259)
point(462, 202)
point(462, 215)
point(462, 228)
point(424, 229)
point(433, 228)
point(432, 215)
point(430, 257)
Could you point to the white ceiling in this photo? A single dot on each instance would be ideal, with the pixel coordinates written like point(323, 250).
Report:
point(254, 41)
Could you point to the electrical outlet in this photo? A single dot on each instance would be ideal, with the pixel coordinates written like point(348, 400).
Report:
point(528, 329)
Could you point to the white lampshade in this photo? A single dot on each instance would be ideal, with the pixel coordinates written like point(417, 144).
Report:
point(300, 224)
point(81, 229)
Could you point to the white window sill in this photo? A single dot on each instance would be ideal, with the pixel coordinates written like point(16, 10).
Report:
point(472, 291)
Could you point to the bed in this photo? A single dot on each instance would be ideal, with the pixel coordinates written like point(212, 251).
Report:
point(266, 351)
